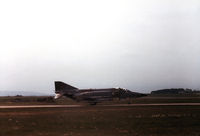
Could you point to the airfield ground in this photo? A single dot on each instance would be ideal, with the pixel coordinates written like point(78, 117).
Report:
point(102, 120)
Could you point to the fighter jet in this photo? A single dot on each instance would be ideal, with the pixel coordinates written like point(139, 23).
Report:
point(93, 96)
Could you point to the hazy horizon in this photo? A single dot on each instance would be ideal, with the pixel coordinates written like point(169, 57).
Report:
point(141, 45)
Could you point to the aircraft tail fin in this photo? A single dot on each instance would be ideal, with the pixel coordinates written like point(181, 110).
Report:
point(59, 86)
point(62, 88)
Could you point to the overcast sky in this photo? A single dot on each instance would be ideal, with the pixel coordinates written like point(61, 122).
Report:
point(141, 45)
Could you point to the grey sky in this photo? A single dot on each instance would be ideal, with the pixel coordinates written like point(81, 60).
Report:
point(141, 45)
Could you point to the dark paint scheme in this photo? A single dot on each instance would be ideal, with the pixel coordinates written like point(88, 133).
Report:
point(93, 96)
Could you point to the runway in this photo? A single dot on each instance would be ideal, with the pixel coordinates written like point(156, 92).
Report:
point(114, 105)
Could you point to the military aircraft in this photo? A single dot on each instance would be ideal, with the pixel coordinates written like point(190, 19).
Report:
point(93, 96)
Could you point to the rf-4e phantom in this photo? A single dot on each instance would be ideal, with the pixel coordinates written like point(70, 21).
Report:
point(93, 96)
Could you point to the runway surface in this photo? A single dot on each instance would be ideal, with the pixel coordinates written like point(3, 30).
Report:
point(114, 105)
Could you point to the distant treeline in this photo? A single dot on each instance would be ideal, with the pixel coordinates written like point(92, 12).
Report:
point(176, 91)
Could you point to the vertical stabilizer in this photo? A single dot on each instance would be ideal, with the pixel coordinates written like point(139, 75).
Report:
point(60, 86)
point(64, 89)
